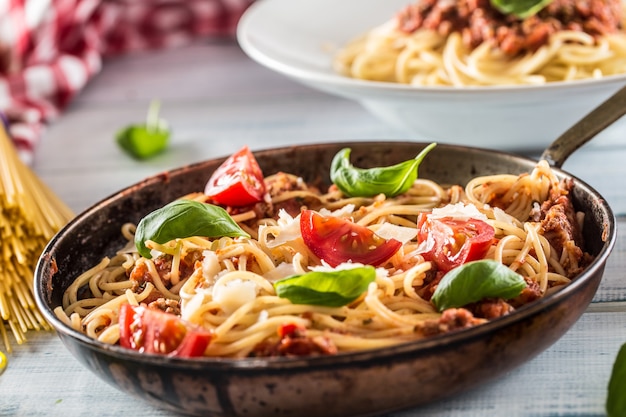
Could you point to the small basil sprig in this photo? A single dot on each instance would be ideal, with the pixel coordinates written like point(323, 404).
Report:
point(475, 281)
point(616, 400)
point(358, 182)
point(145, 140)
point(330, 289)
point(520, 8)
point(184, 218)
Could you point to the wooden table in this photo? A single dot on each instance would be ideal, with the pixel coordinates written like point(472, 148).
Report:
point(216, 100)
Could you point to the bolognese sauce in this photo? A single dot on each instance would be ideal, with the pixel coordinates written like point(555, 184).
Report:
point(478, 21)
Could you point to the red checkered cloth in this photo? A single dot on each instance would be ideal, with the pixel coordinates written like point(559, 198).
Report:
point(49, 49)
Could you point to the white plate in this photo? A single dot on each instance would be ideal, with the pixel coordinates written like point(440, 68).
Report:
point(298, 39)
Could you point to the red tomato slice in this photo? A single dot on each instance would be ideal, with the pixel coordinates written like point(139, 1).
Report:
point(336, 240)
point(238, 181)
point(290, 329)
point(154, 331)
point(452, 242)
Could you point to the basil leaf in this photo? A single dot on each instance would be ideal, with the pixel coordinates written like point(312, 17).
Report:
point(330, 289)
point(616, 400)
point(520, 8)
point(143, 141)
point(474, 281)
point(358, 182)
point(184, 218)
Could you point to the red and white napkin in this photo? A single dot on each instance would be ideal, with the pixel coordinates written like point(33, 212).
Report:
point(49, 49)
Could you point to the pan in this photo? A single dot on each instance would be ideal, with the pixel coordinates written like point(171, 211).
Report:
point(363, 383)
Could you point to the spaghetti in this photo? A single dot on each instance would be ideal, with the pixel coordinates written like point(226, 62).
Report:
point(227, 285)
point(428, 56)
point(30, 215)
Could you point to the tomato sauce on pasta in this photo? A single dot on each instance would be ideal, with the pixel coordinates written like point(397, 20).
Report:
point(285, 286)
point(470, 42)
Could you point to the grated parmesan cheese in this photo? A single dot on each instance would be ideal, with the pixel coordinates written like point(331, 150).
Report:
point(458, 211)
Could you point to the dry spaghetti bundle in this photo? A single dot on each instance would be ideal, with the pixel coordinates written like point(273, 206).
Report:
point(30, 214)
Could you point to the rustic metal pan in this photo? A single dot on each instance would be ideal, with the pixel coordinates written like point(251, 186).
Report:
point(355, 384)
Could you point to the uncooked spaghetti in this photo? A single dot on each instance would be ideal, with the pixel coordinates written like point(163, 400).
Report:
point(30, 215)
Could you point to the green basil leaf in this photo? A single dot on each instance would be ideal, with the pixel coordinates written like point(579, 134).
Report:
point(520, 8)
point(358, 182)
point(143, 141)
point(184, 218)
point(475, 281)
point(616, 400)
point(330, 289)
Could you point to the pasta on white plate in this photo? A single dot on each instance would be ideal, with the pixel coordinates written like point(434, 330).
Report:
point(314, 272)
point(427, 44)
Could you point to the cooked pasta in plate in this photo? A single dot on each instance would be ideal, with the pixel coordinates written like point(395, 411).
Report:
point(491, 42)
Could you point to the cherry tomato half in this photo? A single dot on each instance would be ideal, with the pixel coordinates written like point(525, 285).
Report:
point(452, 242)
point(336, 240)
point(238, 181)
point(154, 331)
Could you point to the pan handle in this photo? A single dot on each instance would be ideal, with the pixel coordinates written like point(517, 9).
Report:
point(586, 128)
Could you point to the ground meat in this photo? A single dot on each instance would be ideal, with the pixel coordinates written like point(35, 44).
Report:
point(166, 305)
point(140, 274)
point(295, 344)
point(479, 22)
point(281, 182)
point(431, 280)
point(560, 227)
point(451, 320)
point(531, 293)
point(490, 308)
point(278, 184)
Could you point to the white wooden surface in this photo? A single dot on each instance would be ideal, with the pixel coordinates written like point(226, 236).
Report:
point(216, 100)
